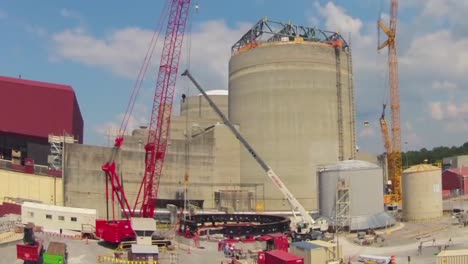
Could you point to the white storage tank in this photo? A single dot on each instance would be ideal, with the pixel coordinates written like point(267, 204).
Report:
point(422, 193)
point(364, 183)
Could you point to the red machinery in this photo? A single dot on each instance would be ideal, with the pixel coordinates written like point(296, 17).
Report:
point(278, 257)
point(115, 231)
point(30, 250)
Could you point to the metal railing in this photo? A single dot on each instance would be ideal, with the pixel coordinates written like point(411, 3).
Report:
point(33, 169)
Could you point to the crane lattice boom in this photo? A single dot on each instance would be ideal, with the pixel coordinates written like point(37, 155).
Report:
point(394, 157)
point(158, 136)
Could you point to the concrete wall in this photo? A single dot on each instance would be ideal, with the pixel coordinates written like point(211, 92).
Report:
point(455, 162)
point(284, 98)
point(198, 107)
point(30, 186)
point(213, 165)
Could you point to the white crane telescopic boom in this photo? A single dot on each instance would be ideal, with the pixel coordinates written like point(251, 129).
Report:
point(307, 220)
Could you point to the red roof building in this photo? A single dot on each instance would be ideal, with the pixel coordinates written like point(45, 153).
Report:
point(30, 111)
point(455, 181)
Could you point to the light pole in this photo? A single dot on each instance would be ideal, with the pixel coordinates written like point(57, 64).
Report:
point(406, 154)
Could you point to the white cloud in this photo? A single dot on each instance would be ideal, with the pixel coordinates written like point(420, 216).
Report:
point(448, 111)
point(138, 118)
point(121, 52)
point(437, 52)
point(444, 85)
point(210, 49)
point(338, 20)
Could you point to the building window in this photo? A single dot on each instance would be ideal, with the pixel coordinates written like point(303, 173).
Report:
point(73, 219)
point(61, 218)
point(48, 216)
point(31, 214)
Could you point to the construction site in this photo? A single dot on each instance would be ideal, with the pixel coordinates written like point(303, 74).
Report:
point(266, 171)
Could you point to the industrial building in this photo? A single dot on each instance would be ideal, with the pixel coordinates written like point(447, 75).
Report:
point(288, 85)
point(306, 108)
point(30, 111)
point(36, 118)
point(455, 181)
point(200, 146)
point(292, 96)
point(455, 162)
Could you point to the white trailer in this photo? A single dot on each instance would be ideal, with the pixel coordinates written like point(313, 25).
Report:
point(53, 217)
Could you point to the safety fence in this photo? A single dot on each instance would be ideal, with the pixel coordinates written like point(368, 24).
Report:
point(108, 259)
point(30, 168)
point(54, 234)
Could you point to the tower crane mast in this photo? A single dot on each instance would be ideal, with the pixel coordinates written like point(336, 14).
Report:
point(394, 156)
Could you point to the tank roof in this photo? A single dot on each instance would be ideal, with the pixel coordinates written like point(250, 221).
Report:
point(216, 92)
point(351, 165)
point(421, 168)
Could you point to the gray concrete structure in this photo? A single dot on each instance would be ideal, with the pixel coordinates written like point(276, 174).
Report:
point(213, 163)
point(455, 162)
point(197, 107)
point(283, 95)
point(236, 200)
point(422, 193)
point(364, 184)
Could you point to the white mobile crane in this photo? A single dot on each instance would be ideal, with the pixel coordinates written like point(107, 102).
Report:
point(307, 227)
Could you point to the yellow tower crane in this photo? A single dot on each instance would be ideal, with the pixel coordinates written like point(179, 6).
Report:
point(393, 149)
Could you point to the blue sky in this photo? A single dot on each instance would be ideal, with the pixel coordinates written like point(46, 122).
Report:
point(98, 46)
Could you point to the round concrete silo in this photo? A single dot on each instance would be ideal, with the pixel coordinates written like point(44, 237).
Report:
point(198, 107)
point(422, 193)
point(284, 97)
point(363, 207)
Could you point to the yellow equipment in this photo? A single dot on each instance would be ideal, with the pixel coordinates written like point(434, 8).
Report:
point(393, 143)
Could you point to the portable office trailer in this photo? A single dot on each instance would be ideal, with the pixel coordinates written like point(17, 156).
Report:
point(57, 217)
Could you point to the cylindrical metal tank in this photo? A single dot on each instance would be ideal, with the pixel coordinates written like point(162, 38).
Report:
point(284, 97)
point(351, 194)
point(422, 193)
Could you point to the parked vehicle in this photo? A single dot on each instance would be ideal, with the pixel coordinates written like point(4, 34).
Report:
point(56, 253)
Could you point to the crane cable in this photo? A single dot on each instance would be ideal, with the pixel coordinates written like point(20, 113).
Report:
point(143, 69)
point(188, 136)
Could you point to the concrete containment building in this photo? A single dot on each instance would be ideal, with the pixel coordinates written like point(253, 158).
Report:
point(351, 195)
point(210, 155)
point(422, 193)
point(290, 91)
